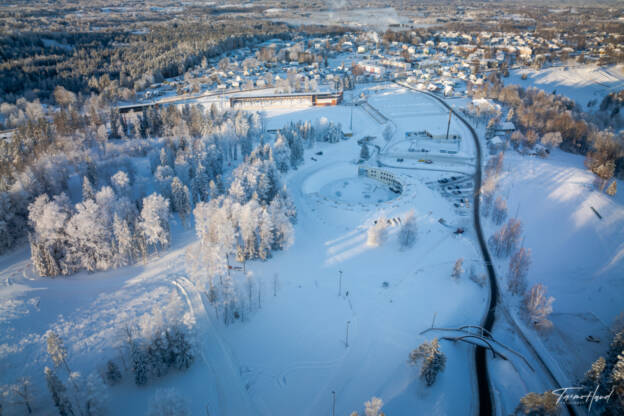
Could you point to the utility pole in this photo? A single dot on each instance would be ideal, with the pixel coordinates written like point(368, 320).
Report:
point(333, 403)
point(449, 124)
point(340, 283)
point(347, 339)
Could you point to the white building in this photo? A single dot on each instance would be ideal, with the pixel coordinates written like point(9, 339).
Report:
point(382, 176)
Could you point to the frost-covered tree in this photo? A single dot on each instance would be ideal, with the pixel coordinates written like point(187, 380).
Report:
point(606, 377)
point(612, 189)
point(126, 244)
point(505, 240)
point(408, 231)
point(168, 402)
point(545, 404)
point(552, 139)
point(595, 375)
point(499, 211)
point(181, 199)
point(182, 167)
point(121, 182)
point(229, 300)
point(47, 219)
point(181, 354)
point(282, 217)
point(458, 269)
point(154, 220)
point(89, 237)
point(200, 184)
point(281, 153)
point(20, 393)
point(266, 235)
point(112, 373)
point(478, 279)
point(539, 306)
point(59, 393)
point(164, 177)
point(157, 355)
point(87, 189)
point(432, 358)
point(140, 363)
point(373, 407)
point(518, 270)
point(248, 225)
point(56, 350)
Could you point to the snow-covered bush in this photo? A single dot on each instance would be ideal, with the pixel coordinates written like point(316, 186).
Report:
point(373, 407)
point(458, 269)
point(539, 306)
point(518, 269)
point(606, 378)
point(499, 211)
point(505, 240)
point(167, 349)
point(545, 404)
point(432, 358)
point(112, 373)
point(478, 279)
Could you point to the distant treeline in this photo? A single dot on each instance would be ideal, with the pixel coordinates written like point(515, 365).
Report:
point(32, 64)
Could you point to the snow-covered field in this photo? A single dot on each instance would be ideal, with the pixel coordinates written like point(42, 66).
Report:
point(581, 83)
point(291, 351)
point(575, 254)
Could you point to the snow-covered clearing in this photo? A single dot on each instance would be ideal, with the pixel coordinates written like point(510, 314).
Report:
point(581, 83)
point(291, 353)
point(575, 254)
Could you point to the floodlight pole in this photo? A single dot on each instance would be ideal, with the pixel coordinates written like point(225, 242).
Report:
point(340, 283)
point(449, 124)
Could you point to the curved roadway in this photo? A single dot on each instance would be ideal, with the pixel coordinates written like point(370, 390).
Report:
point(483, 379)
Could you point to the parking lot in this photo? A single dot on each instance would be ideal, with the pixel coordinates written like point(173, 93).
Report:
point(456, 188)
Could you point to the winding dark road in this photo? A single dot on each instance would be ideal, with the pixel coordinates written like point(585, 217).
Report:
point(486, 407)
point(483, 378)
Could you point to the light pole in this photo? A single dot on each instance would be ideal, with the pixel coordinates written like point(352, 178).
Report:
point(333, 403)
point(340, 283)
point(347, 339)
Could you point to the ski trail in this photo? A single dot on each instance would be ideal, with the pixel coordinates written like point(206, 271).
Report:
point(232, 398)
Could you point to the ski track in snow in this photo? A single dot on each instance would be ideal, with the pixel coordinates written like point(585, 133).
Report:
point(233, 399)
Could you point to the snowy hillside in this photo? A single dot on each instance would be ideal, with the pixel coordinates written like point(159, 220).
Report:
point(575, 252)
point(582, 83)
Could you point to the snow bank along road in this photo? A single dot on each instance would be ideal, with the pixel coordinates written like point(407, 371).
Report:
point(485, 394)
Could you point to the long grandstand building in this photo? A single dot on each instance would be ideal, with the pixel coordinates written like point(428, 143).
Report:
point(291, 100)
point(382, 176)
